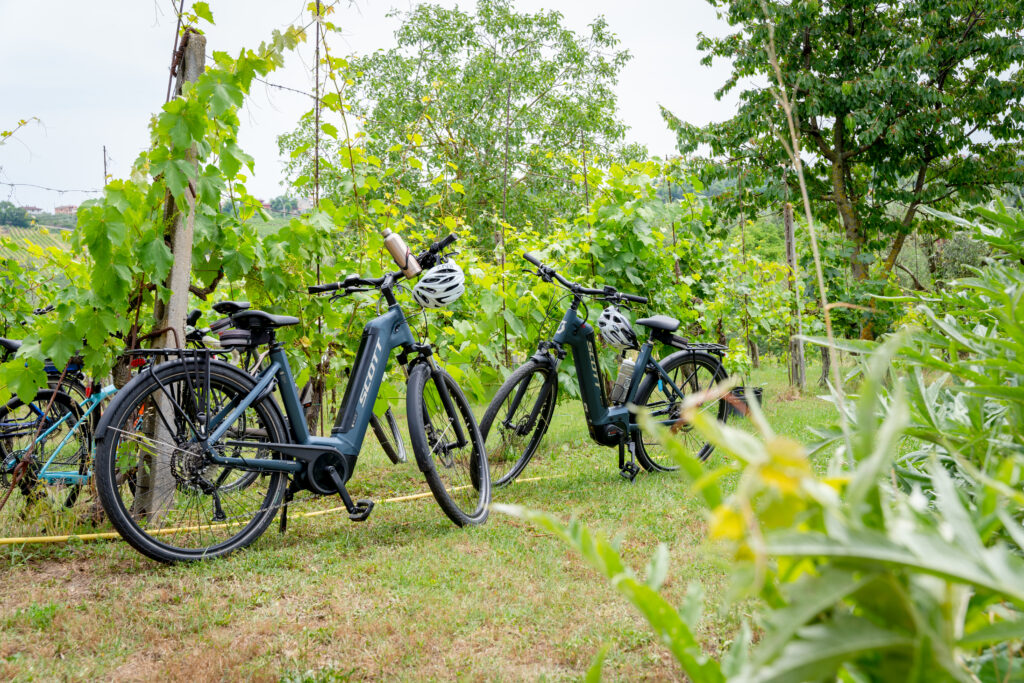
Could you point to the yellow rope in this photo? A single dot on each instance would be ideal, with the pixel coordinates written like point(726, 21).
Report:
point(111, 535)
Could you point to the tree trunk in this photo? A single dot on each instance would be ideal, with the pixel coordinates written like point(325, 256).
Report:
point(797, 368)
point(156, 484)
point(826, 366)
point(932, 251)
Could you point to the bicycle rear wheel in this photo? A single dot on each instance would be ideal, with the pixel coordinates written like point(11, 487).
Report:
point(160, 489)
point(448, 446)
point(691, 372)
point(517, 419)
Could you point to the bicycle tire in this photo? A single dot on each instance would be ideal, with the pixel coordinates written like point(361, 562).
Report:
point(76, 459)
point(499, 441)
point(158, 522)
point(704, 372)
point(390, 438)
point(466, 497)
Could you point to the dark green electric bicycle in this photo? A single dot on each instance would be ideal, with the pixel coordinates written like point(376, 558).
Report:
point(521, 412)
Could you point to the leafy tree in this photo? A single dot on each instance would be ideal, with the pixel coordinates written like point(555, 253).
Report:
point(491, 101)
point(284, 204)
point(13, 215)
point(900, 106)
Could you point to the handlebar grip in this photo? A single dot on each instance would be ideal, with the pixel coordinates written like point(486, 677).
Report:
point(634, 297)
point(193, 317)
point(445, 242)
point(320, 289)
point(532, 258)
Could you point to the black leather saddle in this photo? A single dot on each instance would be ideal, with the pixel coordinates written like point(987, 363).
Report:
point(261, 320)
point(230, 307)
point(9, 345)
point(659, 322)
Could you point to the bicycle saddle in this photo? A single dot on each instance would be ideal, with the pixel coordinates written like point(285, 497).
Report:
point(9, 345)
point(659, 322)
point(230, 307)
point(261, 320)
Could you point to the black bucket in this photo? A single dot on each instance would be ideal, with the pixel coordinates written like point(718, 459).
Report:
point(741, 395)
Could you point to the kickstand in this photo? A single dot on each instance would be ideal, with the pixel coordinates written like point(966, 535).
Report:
point(358, 511)
point(627, 470)
point(288, 495)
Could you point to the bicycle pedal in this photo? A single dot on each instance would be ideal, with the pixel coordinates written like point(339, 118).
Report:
point(629, 472)
point(361, 510)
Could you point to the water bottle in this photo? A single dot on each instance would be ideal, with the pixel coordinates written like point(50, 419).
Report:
point(403, 257)
point(621, 387)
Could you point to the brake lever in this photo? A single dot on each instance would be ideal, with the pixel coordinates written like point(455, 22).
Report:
point(350, 290)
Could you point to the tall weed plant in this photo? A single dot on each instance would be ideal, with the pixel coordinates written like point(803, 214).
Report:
point(903, 560)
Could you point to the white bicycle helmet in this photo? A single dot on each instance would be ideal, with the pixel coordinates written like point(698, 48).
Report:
point(440, 286)
point(615, 329)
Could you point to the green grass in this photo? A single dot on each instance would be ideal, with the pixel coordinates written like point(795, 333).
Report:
point(405, 595)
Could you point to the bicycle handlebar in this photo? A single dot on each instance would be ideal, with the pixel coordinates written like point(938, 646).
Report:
point(532, 258)
point(607, 292)
point(426, 259)
point(320, 289)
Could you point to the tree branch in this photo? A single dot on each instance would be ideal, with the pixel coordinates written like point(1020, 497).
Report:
point(917, 283)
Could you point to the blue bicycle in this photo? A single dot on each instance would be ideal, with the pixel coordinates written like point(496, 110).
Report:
point(50, 438)
point(52, 434)
point(194, 457)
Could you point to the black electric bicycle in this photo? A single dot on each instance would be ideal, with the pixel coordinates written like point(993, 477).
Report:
point(520, 413)
point(177, 449)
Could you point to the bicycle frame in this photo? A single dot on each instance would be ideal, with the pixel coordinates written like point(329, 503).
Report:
point(380, 337)
point(68, 478)
point(607, 423)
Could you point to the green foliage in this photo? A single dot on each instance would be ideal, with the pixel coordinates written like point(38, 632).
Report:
point(119, 257)
point(882, 93)
point(900, 563)
point(500, 106)
point(13, 215)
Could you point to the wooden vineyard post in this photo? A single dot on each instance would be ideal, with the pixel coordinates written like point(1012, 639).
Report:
point(157, 485)
point(797, 369)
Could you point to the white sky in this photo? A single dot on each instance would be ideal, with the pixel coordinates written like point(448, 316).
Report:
point(94, 72)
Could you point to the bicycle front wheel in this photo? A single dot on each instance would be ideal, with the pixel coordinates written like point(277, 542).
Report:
point(44, 431)
point(386, 430)
point(160, 488)
point(691, 372)
point(448, 446)
point(516, 420)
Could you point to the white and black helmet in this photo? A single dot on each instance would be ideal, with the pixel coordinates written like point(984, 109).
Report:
point(440, 286)
point(615, 329)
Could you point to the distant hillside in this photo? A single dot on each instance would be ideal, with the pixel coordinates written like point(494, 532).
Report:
point(43, 237)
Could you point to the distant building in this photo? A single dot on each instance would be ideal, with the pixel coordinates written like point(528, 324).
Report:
point(33, 210)
point(69, 209)
point(304, 204)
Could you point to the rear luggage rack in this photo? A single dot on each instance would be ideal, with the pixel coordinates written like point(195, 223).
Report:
point(685, 344)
